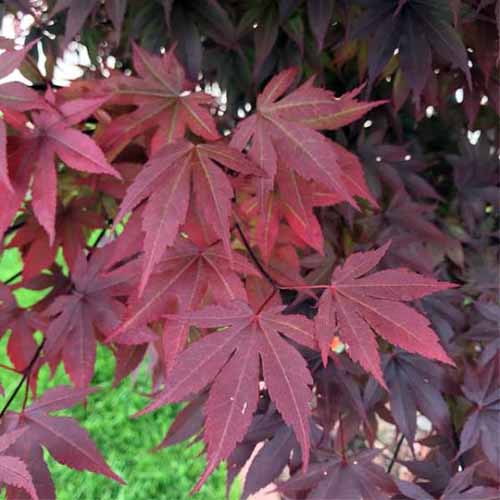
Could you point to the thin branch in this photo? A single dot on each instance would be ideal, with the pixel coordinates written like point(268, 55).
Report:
point(14, 277)
point(456, 440)
point(396, 453)
point(109, 223)
point(255, 259)
point(264, 272)
point(24, 379)
point(342, 438)
point(26, 392)
point(14, 227)
point(99, 238)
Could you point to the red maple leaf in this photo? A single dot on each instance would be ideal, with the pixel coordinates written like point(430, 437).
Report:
point(336, 477)
point(187, 272)
point(11, 58)
point(293, 200)
point(78, 12)
point(14, 97)
point(67, 442)
point(90, 309)
point(164, 104)
point(481, 388)
point(22, 324)
point(51, 133)
point(13, 471)
point(230, 360)
point(358, 306)
point(285, 130)
point(180, 173)
point(72, 223)
point(416, 383)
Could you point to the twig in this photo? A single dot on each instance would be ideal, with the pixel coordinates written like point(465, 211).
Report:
point(342, 439)
point(255, 258)
point(13, 278)
point(99, 238)
point(109, 223)
point(25, 377)
point(456, 440)
point(396, 453)
point(14, 227)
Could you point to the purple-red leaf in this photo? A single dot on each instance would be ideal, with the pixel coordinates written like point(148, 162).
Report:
point(364, 305)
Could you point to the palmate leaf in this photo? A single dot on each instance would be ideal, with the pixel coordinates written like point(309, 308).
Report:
point(13, 96)
point(285, 129)
point(232, 357)
point(179, 174)
point(164, 103)
point(460, 487)
point(13, 471)
point(358, 306)
point(51, 135)
point(66, 441)
point(72, 223)
point(89, 308)
point(77, 12)
point(293, 200)
point(11, 59)
point(419, 29)
point(183, 278)
point(481, 388)
point(22, 324)
point(336, 478)
point(416, 383)
point(270, 460)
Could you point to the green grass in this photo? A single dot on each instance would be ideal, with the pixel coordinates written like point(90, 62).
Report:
point(124, 442)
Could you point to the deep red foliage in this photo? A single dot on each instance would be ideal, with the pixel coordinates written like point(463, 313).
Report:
point(261, 202)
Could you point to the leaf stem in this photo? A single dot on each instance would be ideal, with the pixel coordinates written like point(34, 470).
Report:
point(264, 304)
point(10, 369)
point(304, 287)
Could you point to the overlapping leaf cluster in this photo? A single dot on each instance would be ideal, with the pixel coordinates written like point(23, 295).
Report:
point(271, 252)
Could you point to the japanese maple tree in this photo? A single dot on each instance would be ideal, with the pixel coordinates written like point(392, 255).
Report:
point(285, 211)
